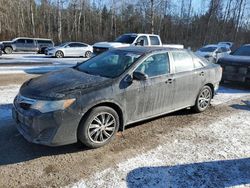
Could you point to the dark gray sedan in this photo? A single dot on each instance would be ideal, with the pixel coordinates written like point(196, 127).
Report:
point(95, 99)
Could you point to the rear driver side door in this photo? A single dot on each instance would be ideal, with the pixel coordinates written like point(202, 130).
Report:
point(186, 84)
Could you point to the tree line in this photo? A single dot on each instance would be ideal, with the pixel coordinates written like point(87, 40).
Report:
point(176, 21)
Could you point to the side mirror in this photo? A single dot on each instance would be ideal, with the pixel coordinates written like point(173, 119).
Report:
point(140, 76)
point(128, 79)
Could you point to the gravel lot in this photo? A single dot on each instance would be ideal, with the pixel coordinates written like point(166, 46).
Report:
point(181, 149)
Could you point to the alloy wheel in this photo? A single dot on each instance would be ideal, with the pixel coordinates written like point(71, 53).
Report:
point(204, 98)
point(102, 127)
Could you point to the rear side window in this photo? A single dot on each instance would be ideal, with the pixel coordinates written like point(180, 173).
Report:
point(81, 45)
point(155, 65)
point(183, 61)
point(20, 41)
point(73, 45)
point(29, 41)
point(154, 40)
point(44, 42)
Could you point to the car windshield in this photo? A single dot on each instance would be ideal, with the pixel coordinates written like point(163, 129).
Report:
point(109, 64)
point(242, 51)
point(128, 39)
point(208, 49)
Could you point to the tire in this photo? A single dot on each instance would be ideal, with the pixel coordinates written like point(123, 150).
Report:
point(99, 127)
point(59, 54)
point(203, 99)
point(8, 50)
point(88, 54)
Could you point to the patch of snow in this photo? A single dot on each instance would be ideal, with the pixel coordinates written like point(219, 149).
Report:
point(225, 94)
point(156, 168)
point(7, 95)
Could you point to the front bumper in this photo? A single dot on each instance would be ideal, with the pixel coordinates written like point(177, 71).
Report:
point(51, 129)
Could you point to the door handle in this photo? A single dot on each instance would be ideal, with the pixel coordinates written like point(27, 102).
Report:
point(169, 81)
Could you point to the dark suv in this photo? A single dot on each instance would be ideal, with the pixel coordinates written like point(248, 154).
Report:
point(26, 44)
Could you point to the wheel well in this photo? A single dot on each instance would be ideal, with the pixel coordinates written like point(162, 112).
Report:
point(212, 88)
point(113, 106)
point(7, 47)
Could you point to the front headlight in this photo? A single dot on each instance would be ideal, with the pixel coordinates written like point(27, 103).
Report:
point(49, 106)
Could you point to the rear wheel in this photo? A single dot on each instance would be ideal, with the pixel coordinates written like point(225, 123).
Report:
point(203, 99)
point(59, 54)
point(88, 54)
point(8, 50)
point(99, 127)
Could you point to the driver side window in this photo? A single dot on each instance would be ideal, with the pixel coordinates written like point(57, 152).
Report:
point(155, 65)
point(145, 40)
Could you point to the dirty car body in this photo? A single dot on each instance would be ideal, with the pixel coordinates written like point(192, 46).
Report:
point(126, 85)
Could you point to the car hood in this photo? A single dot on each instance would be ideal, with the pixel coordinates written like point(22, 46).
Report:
point(110, 45)
point(61, 84)
point(235, 59)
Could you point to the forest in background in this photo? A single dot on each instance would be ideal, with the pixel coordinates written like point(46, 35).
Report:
point(90, 21)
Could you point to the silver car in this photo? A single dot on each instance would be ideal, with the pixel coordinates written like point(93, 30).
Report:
point(213, 52)
point(70, 49)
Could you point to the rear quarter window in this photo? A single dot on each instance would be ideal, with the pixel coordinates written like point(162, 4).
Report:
point(154, 40)
point(183, 61)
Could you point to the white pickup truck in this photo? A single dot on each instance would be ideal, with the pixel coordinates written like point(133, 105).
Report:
point(132, 39)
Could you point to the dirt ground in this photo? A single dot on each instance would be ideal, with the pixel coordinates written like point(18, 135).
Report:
point(15, 79)
point(23, 164)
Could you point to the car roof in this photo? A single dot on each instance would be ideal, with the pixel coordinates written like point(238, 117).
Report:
point(140, 34)
point(30, 38)
point(147, 49)
point(211, 45)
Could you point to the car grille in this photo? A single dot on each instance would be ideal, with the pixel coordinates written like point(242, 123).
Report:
point(98, 50)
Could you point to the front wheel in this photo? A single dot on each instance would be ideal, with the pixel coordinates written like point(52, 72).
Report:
point(99, 127)
point(203, 99)
point(59, 54)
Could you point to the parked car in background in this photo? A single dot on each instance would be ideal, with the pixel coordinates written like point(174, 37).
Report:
point(70, 49)
point(132, 39)
point(213, 52)
point(1, 47)
point(26, 44)
point(93, 100)
point(236, 66)
point(43, 44)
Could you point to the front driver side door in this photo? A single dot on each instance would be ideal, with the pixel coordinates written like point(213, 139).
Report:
point(153, 96)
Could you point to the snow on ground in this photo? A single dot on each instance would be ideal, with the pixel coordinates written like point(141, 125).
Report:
point(36, 58)
point(33, 69)
point(32, 63)
point(155, 168)
point(7, 95)
point(226, 94)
